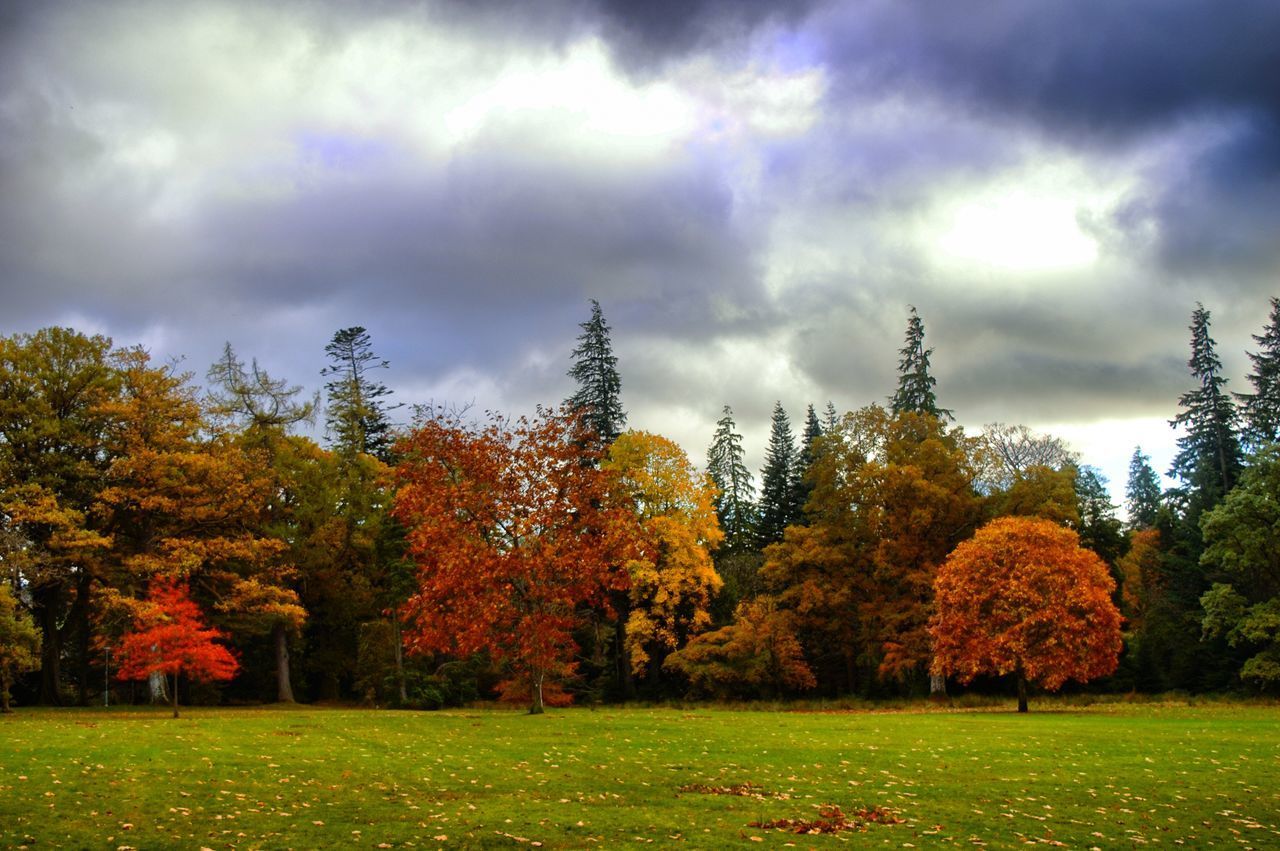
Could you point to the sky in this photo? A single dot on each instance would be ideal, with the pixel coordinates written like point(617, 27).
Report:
point(755, 192)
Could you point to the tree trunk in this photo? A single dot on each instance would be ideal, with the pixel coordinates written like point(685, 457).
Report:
point(937, 686)
point(399, 643)
point(625, 680)
point(175, 694)
point(80, 617)
point(536, 708)
point(284, 690)
point(1022, 692)
point(5, 682)
point(155, 687)
point(48, 601)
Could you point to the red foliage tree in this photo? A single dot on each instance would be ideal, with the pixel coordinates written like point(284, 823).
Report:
point(170, 637)
point(1023, 597)
point(513, 533)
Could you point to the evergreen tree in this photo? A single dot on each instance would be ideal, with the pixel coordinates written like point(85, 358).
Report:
point(1261, 408)
point(778, 480)
point(915, 384)
point(1209, 456)
point(596, 371)
point(1142, 493)
point(356, 419)
point(812, 431)
point(830, 419)
point(734, 505)
point(1099, 528)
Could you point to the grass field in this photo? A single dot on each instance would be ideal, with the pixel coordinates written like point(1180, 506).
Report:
point(1106, 776)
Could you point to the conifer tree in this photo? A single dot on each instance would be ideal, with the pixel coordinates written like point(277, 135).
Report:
point(915, 383)
point(800, 495)
point(356, 419)
point(734, 504)
point(1209, 457)
point(1261, 408)
point(1142, 493)
point(597, 399)
point(830, 419)
point(778, 480)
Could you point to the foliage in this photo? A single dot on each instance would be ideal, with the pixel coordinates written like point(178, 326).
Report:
point(19, 643)
point(356, 419)
point(672, 576)
point(511, 534)
point(1141, 583)
point(734, 503)
point(778, 491)
point(598, 397)
point(915, 384)
point(757, 656)
point(1099, 528)
point(1038, 492)
point(1023, 597)
point(170, 637)
point(1007, 453)
point(1261, 408)
point(1142, 493)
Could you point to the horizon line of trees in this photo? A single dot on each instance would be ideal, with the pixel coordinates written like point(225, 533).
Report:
point(561, 556)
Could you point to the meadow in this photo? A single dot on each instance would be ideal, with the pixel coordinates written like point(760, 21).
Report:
point(1102, 776)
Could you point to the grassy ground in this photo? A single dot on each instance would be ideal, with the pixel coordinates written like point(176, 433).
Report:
point(1103, 776)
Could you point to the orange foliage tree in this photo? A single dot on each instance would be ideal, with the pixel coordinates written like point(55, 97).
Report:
point(513, 536)
point(170, 637)
point(1023, 597)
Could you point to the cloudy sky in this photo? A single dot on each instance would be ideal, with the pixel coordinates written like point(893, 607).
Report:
point(755, 192)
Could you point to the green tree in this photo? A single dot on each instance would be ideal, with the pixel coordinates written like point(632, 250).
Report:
point(808, 454)
point(1142, 492)
point(1099, 528)
point(778, 508)
point(734, 502)
point(598, 397)
point(356, 416)
point(1261, 408)
point(1209, 457)
point(915, 383)
point(19, 643)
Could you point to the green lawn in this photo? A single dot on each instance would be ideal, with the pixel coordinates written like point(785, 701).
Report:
point(1108, 776)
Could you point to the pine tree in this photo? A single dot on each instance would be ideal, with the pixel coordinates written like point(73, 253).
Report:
point(596, 371)
point(915, 384)
point(1209, 456)
point(356, 419)
point(734, 505)
point(812, 431)
point(1261, 408)
point(777, 480)
point(1142, 493)
point(830, 419)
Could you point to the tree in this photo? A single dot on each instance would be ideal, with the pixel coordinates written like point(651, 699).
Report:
point(778, 509)
point(1209, 457)
point(1242, 547)
point(356, 419)
point(19, 644)
point(1023, 597)
point(170, 637)
point(1008, 452)
point(804, 462)
point(734, 503)
point(1261, 408)
point(512, 536)
point(1142, 493)
point(672, 575)
point(915, 383)
point(1099, 528)
point(595, 369)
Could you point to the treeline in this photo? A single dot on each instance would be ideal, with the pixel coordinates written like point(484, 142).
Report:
point(561, 556)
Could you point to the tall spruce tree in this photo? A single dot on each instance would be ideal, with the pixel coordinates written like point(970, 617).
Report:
point(1142, 492)
point(812, 431)
point(830, 419)
point(1209, 456)
point(915, 383)
point(735, 506)
point(595, 368)
point(778, 480)
point(356, 418)
point(1261, 408)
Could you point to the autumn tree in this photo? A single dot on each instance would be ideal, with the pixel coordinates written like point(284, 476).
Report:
point(1142, 493)
point(53, 386)
point(170, 637)
point(915, 392)
point(778, 508)
point(1023, 597)
point(595, 369)
point(356, 416)
point(672, 577)
point(512, 535)
point(1261, 408)
point(19, 643)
